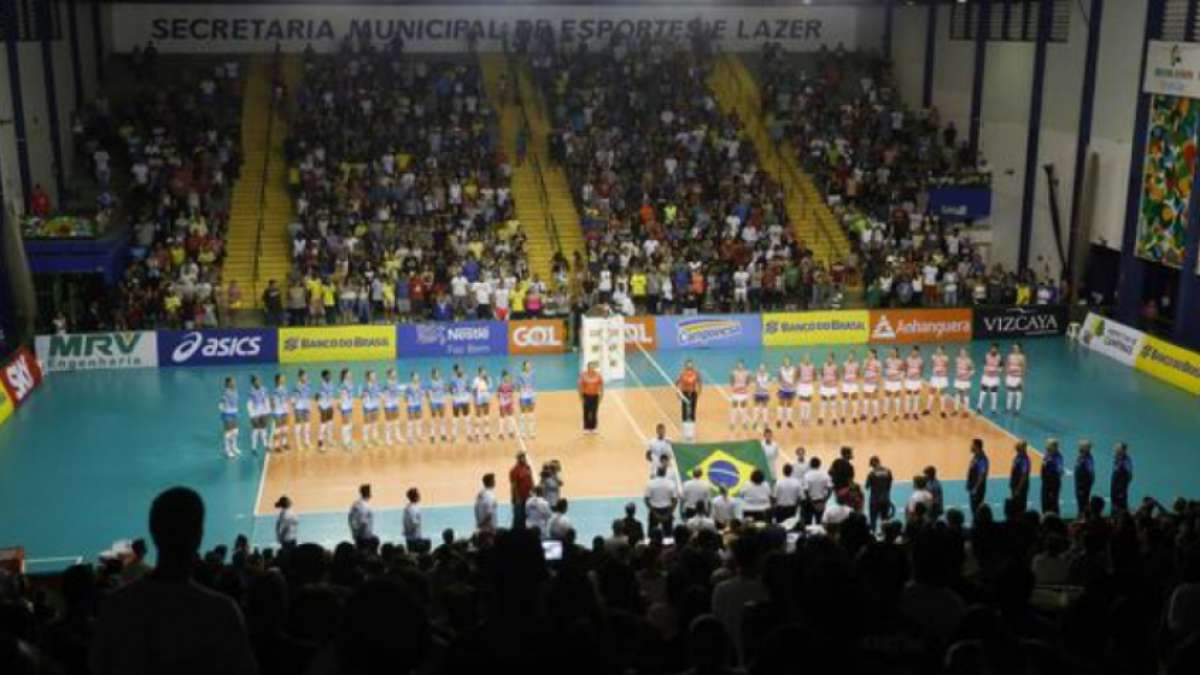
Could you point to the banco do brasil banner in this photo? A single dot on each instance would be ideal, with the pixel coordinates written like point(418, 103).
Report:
point(464, 338)
point(444, 27)
point(97, 351)
point(217, 347)
point(1169, 363)
point(708, 331)
point(337, 343)
point(801, 329)
point(993, 323)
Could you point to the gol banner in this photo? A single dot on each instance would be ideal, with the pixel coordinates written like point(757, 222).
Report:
point(537, 336)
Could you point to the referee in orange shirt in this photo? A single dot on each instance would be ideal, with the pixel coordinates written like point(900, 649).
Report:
point(591, 390)
point(689, 385)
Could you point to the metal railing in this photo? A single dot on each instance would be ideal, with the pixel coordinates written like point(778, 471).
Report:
point(262, 189)
point(531, 155)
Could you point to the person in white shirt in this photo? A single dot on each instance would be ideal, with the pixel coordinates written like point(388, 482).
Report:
point(787, 494)
point(537, 512)
point(817, 487)
point(287, 526)
point(412, 521)
point(696, 491)
point(756, 498)
point(770, 448)
point(836, 513)
point(725, 509)
point(658, 448)
point(485, 505)
point(661, 498)
point(362, 519)
point(700, 520)
point(483, 299)
point(921, 499)
point(559, 528)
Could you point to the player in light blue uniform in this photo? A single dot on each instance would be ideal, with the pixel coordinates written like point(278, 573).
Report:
point(482, 386)
point(279, 414)
point(527, 399)
point(413, 394)
point(228, 406)
point(371, 395)
point(258, 406)
point(460, 397)
point(301, 405)
point(326, 394)
point(346, 405)
point(435, 392)
point(392, 391)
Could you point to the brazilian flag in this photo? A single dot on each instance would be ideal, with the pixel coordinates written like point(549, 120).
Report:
point(727, 465)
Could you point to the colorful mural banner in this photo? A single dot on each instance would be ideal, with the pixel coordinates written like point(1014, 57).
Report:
point(1167, 179)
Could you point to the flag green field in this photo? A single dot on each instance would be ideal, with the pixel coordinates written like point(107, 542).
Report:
point(727, 465)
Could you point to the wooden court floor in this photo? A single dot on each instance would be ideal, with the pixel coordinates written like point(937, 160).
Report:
point(612, 463)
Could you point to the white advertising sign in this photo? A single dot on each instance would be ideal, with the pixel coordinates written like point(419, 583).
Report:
point(97, 351)
point(1172, 68)
point(258, 28)
point(1112, 339)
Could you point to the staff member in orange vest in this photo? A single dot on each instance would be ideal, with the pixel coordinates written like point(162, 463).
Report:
point(689, 386)
point(591, 390)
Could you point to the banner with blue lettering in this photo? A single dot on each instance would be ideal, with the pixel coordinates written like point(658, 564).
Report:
point(707, 331)
point(465, 338)
point(961, 203)
point(220, 347)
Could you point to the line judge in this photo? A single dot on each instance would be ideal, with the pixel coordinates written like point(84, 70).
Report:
point(591, 391)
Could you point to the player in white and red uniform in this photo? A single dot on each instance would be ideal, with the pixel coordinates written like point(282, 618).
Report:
point(787, 393)
point(739, 394)
point(872, 371)
point(806, 388)
point(829, 390)
point(1014, 380)
point(850, 387)
point(939, 381)
point(761, 415)
point(964, 373)
point(893, 384)
point(914, 371)
point(990, 382)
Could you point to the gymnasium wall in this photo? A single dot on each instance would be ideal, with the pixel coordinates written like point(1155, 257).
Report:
point(1008, 82)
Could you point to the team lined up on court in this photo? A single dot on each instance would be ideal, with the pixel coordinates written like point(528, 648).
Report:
point(393, 410)
point(873, 389)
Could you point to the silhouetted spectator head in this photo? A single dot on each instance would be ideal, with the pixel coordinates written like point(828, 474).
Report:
point(177, 525)
point(709, 647)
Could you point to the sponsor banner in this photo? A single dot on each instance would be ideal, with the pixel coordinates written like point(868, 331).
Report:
point(1167, 362)
point(337, 343)
point(906, 326)
point(641, 331)
point(798, 329)
point(6, 407)
point(961, 202)
point(217, 347)
point(97, 351)
point(1112, 339)
point(708, 331)
point(537, 336)
point(465, 338)
point(430, 27)
point(1173, 69)
point(20, 376)
point(993, 323)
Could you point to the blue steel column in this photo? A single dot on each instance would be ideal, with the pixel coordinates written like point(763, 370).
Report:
point(43, 10)
point(1087, 105)
point(98, 40)
point(1034, 134)
point(931, 21)
point(982, 26)
point(76, 61)
point(8, 10)
point(889, 22)
point(1133, 269)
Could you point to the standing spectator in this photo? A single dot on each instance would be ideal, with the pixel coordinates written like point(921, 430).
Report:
point(287, 525)
point(1018, 478)
point(413, 537)
point(486, 505)
point(920, 501)
point(591, 392)
point(362, 518)
point(272, 299)
point(879, 487)
point(730, 597)
point(817, 486)
point(538, 512)
point(841, 471)
point(725, 509)
point(787, 494)
point(1085, 477)
point(631, 527)
point(977, 476)
point(297, 302)
point(559, 527)
point(520, 482)
point(1052, 470)
point(166, 622)
point(938, 506)
point(696, 491)
point(551, 481)
point(1122, 476)
point(39, 202)
point(661, 499)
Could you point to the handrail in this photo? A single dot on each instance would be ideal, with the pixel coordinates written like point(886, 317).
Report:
point(262, 189)
point(548, 221)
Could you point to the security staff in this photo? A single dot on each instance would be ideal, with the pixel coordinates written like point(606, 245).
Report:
point(1052, 471)
point(879, 485)
point(1122, 476)
point(591, 391)
point(1018, 477)
point(977, 475)
point(362, 518)
point(661, 499)
point(690, 386)
point(1085, 477)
